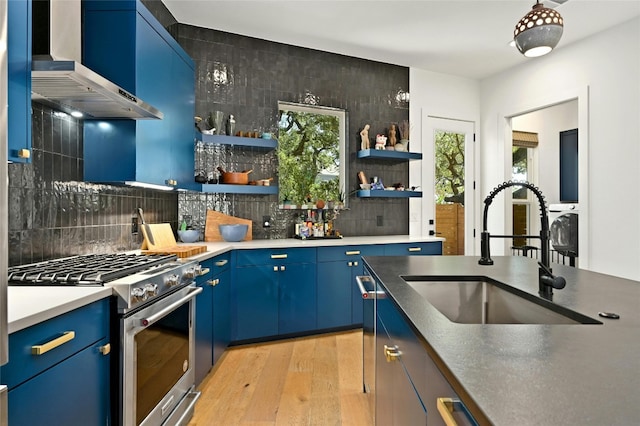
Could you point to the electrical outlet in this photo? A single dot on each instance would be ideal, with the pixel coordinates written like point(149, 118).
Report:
point(266, 221)
point(379, 221)
point(134, 225)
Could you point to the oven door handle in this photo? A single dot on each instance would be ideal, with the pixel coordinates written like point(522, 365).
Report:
point(155, 317)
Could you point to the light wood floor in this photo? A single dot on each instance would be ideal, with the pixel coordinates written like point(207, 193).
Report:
point(305, 381)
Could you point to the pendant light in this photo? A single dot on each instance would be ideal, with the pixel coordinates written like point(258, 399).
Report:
point(539, 31)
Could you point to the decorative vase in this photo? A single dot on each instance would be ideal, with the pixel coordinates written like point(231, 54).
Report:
point(402, 145)
point(216, 121)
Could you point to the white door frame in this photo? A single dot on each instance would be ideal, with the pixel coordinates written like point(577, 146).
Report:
point(520, 108)
point(467, 128)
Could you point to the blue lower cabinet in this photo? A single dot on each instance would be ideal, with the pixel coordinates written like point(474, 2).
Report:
point(204, 326)
point(221, 313)
point(58, 370)
point(339, 299)
point(213, 314)
point(396, 399)
point(273, 293)
point(297, 304)
point(73, 392)
point(256, 303)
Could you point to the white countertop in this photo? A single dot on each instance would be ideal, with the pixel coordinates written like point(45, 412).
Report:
point(29, 305)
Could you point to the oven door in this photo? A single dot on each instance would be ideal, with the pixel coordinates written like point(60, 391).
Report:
point(157, 361)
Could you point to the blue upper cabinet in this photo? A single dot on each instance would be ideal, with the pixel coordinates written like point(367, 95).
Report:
point(19, 84)
point(124, 42)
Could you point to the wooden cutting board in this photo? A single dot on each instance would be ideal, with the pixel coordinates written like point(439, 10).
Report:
point(157, 235)
point(159, 239)
point(214, 218)
point(180, 251)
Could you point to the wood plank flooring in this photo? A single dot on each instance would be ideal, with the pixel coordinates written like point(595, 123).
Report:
point(304, 381)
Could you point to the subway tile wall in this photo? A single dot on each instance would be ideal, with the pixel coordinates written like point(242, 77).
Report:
point(53, 213)
point(247, 77)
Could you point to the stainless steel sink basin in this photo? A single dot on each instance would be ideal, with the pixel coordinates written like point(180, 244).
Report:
point(484, 302)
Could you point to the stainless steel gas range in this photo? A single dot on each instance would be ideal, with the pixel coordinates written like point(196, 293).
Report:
point(152, 326)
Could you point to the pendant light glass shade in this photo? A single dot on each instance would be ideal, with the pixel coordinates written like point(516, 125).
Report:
point(538, 32)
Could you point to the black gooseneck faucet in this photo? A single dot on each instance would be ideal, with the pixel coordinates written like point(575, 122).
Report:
point(546, 280)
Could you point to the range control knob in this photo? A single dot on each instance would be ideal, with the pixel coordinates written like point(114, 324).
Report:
point(138, 294)
point(151, 289)
point(173, 279)
point(193, 272)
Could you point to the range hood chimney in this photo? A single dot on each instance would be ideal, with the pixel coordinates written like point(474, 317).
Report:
point(59, 79)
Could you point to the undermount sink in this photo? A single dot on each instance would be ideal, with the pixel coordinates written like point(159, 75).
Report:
point(484, 302)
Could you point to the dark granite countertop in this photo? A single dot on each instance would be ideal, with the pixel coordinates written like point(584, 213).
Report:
point(514, 374)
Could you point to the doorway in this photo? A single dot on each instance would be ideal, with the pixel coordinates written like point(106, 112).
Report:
point(560, 112)
point(450, 148)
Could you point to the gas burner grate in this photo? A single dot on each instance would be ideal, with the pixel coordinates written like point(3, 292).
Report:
point(87, 270)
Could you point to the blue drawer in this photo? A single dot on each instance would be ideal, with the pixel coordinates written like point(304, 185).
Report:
point(279, 256)
point(410, 249)
point(329, 254)
point(89, 324)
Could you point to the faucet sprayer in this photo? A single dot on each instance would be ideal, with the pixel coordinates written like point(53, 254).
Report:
point(547, 281)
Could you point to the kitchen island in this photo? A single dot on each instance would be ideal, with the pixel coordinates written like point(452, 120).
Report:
point(528, 374)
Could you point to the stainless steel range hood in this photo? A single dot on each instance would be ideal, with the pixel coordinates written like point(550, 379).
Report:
point(59, 80)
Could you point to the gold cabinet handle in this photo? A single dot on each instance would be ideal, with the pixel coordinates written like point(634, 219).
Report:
point(448, 406)
point(171, 182)
point(204, 271)
point(445, 408)
point(392, 353)
point(278, 256)
point(415, 248)
point(24, 153)
point(52, 344)
point(105, 349)
point(352, 253)
point(221, 262)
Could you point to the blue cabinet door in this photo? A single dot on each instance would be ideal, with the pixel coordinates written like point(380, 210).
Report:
point(334, 295)
point(19, 80)
point(255, 301)
point(221, 313)
point(145, 60)
point(204, 327)
point(73, 392)
point(297, 298)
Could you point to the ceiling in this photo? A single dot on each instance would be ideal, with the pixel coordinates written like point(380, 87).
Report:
point(469, 38)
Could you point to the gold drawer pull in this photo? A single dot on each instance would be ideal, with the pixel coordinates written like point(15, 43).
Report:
point(221, 262)
point(204, 271)
point(392, 353)
point(278, 256)
point(445, 408)
point(40, 349)
point(24, 153)
point(105, 349)
point(415, 248)
point(352, 253)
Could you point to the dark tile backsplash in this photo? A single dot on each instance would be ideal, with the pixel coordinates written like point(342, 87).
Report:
point(53, 213)
point(247, 77)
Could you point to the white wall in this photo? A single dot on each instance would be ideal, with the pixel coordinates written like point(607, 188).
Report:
point(603, 72)
point(437, 95)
